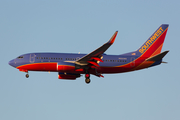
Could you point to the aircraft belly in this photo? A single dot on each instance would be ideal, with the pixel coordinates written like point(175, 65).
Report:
point(112, 70)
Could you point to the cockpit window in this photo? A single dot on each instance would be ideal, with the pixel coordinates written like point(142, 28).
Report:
point(20, 57)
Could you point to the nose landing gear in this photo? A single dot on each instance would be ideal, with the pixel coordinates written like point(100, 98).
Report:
point(87, 80)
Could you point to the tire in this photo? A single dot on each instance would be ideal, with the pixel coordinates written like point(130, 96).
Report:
point(87, 80)
point(27, 75)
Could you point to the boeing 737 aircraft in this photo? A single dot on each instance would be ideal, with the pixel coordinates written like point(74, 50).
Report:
point(71, 66)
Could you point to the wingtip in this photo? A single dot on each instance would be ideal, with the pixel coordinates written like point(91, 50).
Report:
point(111, 41)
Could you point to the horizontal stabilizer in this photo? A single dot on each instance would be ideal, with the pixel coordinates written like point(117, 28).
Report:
point(157, 57)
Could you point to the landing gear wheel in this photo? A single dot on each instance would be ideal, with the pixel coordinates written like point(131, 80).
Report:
point(27, 75)
point(87, 80)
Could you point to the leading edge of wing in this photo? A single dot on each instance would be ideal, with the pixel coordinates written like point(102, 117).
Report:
point(98, 52)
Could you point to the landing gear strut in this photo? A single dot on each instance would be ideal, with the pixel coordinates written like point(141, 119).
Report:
point(87, 80)
point(27, 75)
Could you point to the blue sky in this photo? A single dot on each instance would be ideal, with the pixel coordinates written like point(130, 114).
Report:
point(83, 26)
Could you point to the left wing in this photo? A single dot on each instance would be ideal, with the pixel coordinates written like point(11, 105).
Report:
point(95, 57)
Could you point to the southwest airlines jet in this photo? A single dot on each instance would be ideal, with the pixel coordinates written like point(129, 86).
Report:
point(71, 66)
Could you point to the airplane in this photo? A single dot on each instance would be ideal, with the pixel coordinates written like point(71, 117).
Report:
point(71, 66)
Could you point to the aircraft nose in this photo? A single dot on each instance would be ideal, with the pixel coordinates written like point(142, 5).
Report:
point(11, 63)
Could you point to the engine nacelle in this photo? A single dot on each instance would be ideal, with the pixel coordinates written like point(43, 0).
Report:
point(68, 76)
point(66, 67)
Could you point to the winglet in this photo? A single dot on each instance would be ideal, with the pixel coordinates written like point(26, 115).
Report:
point(111, 41)
point(96, 53)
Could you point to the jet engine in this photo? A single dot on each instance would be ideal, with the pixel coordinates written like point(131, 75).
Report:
point(68, 76)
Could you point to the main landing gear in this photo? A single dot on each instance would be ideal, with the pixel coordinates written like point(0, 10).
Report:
point(87, 80)
point(27, 75)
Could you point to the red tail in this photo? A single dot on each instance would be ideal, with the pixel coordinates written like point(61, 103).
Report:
point(154, 43)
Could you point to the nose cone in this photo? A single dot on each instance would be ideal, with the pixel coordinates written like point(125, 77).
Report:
point(12, 63)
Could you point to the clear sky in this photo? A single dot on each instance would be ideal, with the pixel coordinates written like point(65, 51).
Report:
point(82, 26)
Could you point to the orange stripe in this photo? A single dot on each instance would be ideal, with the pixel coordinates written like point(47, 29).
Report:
point(157, 51)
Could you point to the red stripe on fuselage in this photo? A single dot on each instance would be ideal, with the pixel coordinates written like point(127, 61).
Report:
point(39, 67)
point(47, 67)
point(66, 68)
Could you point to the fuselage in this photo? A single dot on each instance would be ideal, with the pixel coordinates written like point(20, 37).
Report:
point(64, 62)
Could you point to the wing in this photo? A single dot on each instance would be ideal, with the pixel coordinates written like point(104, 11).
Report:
point(95, 57)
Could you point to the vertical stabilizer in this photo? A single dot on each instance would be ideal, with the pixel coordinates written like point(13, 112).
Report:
point(154, 43)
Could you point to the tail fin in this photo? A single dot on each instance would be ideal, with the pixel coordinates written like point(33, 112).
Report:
point(154, 43)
